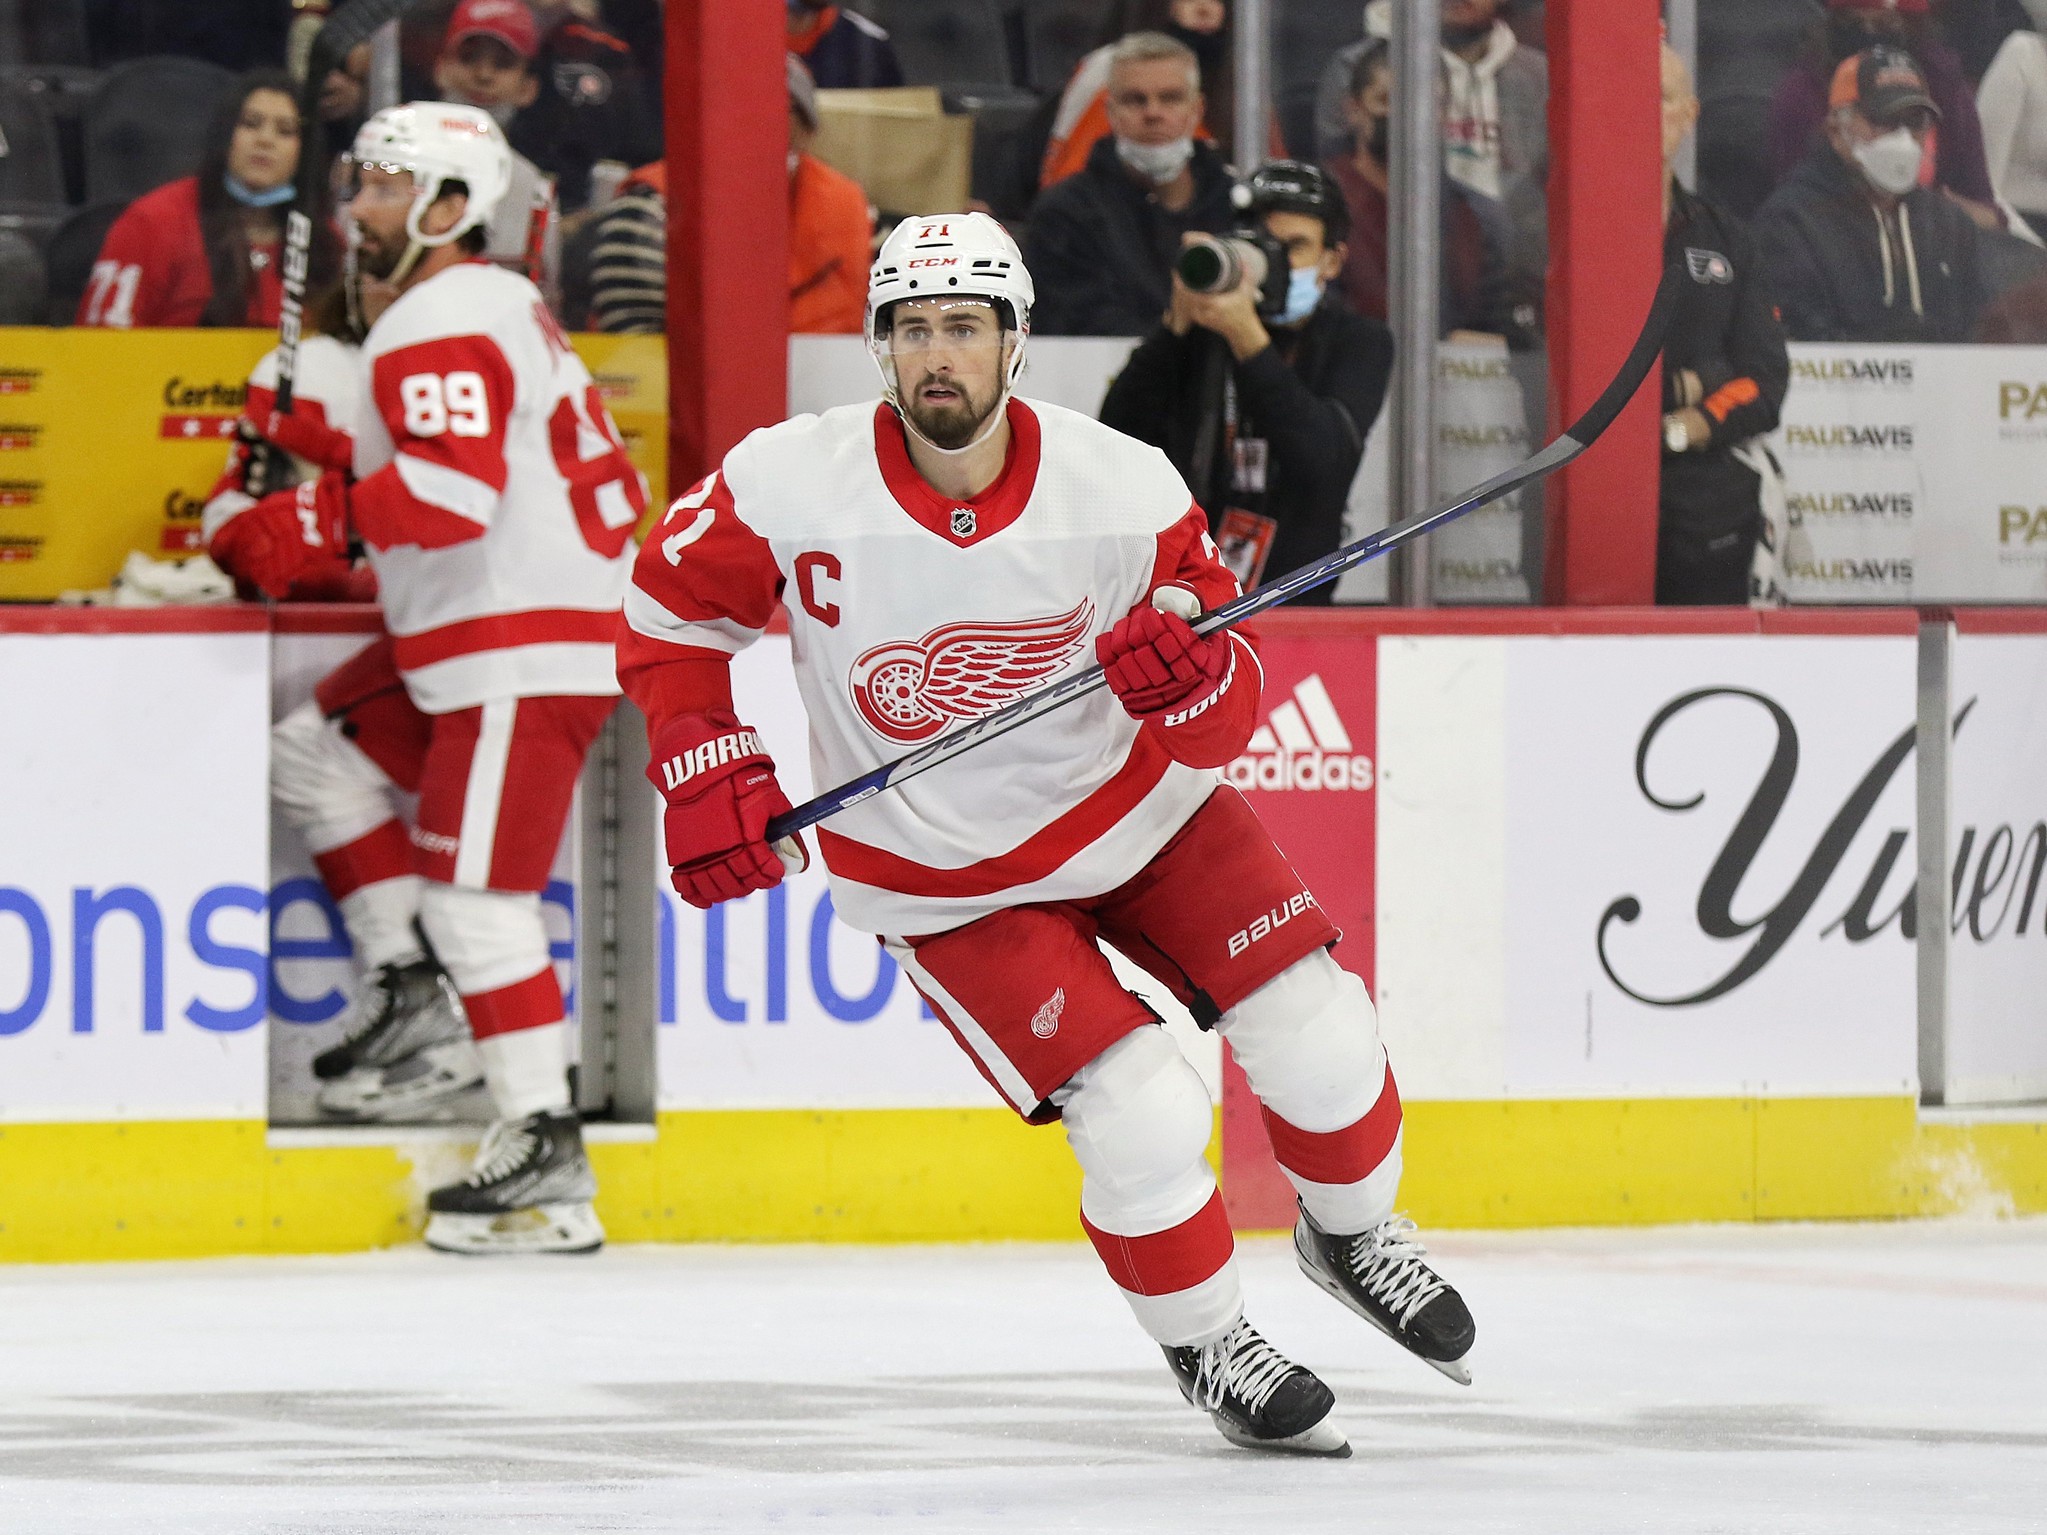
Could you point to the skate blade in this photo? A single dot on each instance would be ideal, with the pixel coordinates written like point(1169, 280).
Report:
point(1324, 1439)
point(563, 1228)
point(1456, 1368)
point(363, 1095)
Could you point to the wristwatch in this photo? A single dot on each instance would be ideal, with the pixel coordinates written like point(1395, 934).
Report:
point(1677, 437)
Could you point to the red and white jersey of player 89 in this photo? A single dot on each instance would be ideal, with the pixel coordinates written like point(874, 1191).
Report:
point(513, 498)
point(909, 613)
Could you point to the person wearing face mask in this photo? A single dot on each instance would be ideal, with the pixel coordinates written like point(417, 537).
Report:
point(1103, 242)
point(842, 49)
point(1800, 112)
point(1474, 285)
point(487, 60)
point(1495, 97)
point(204, 250)
point(1856, 246)
point(1725, 371)
point(1083, 117)
point(1265, 416)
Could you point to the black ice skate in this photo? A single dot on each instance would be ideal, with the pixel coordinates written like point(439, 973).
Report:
point(529, 1192)
point(1258, 1397)
point(408, 1052)
point(1380, 1275)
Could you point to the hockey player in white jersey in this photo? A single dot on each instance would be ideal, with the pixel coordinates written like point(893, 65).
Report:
point(941, 554)
point(497, 503)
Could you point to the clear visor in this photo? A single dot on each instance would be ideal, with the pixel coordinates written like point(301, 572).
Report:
point(927, 327)
point(373, 181)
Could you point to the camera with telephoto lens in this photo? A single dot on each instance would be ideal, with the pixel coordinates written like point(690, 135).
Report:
point(1218, 263)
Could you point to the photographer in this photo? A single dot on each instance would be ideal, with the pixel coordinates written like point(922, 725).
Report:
point(1261, 393)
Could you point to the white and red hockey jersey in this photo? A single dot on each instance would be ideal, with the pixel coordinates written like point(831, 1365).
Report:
point(495, 494)
point(909, 613)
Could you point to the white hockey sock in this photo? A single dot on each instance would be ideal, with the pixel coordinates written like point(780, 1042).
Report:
point(380, 921)
point(527, 1069)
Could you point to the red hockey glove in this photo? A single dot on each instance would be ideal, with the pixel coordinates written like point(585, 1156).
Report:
point(305, 438)
point(1156, 664)
point(284, 535)
point(721, 792)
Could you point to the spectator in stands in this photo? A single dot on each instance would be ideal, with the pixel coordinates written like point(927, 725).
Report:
point(205, 250)
point(594, 102)
point(1725, 371)
point(1856, 246)
point(842, 49)
point(1102, 243)
point(1495, 135)
point(487, 60)
point(1083, 117)
point(620, 269)
point(1266, 415)
point(1801, 111)
point(1474, 297)
point(2013, 104)
point(831, 227)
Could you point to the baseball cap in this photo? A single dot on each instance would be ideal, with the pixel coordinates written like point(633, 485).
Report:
point(802, 91)
point(1903, 7)
point(1884, 83)
point(509, 21)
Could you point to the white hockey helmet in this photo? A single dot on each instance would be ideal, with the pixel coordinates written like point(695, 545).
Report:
point(949, 256)
point(440, 142)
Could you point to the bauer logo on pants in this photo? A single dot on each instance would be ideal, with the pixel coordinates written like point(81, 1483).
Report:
point(1301, 744)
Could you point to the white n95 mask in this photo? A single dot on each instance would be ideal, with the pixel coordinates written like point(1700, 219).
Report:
point(1891, 161)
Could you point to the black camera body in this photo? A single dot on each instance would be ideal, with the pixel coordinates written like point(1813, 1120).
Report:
point(1218, 263)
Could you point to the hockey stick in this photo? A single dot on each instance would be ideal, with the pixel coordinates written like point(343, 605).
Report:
point(355, 23)
point(1582, 434)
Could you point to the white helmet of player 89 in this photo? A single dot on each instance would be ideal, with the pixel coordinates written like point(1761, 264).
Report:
point(943, 256)
point(439, 142)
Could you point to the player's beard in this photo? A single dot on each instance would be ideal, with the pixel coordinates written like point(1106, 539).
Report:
point(376, 258)
point(952, 425)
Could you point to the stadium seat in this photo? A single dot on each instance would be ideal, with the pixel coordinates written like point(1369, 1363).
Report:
point(43, 32)
point(69, 257)
point(947, 42)
point(1057, 35)
point(147, 125)
point(31, 164)
point(21, 280)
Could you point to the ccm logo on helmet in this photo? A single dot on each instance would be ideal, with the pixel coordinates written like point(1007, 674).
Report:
point(930, 261)
point(677, 771)
point(1270, 923)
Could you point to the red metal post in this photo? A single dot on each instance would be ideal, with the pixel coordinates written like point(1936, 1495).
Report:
point(728, 228)
point(1606, 251)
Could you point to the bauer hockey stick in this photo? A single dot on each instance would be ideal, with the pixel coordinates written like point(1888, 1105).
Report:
point(355, 23)
point(1582, 434)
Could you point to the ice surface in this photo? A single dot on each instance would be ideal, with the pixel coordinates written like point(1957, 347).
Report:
point(1788, 1379)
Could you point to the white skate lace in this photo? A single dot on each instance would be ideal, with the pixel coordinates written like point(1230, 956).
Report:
point(1243, 1364)
point(1387, 1262)
point(376, 998)
point(507, 1145)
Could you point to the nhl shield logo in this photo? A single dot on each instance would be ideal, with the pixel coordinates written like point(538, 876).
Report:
point(964, 521)
point(1709, 266)
point(1045, 1021)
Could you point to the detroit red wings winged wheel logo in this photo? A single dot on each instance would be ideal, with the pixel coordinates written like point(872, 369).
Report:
point(909, 690)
